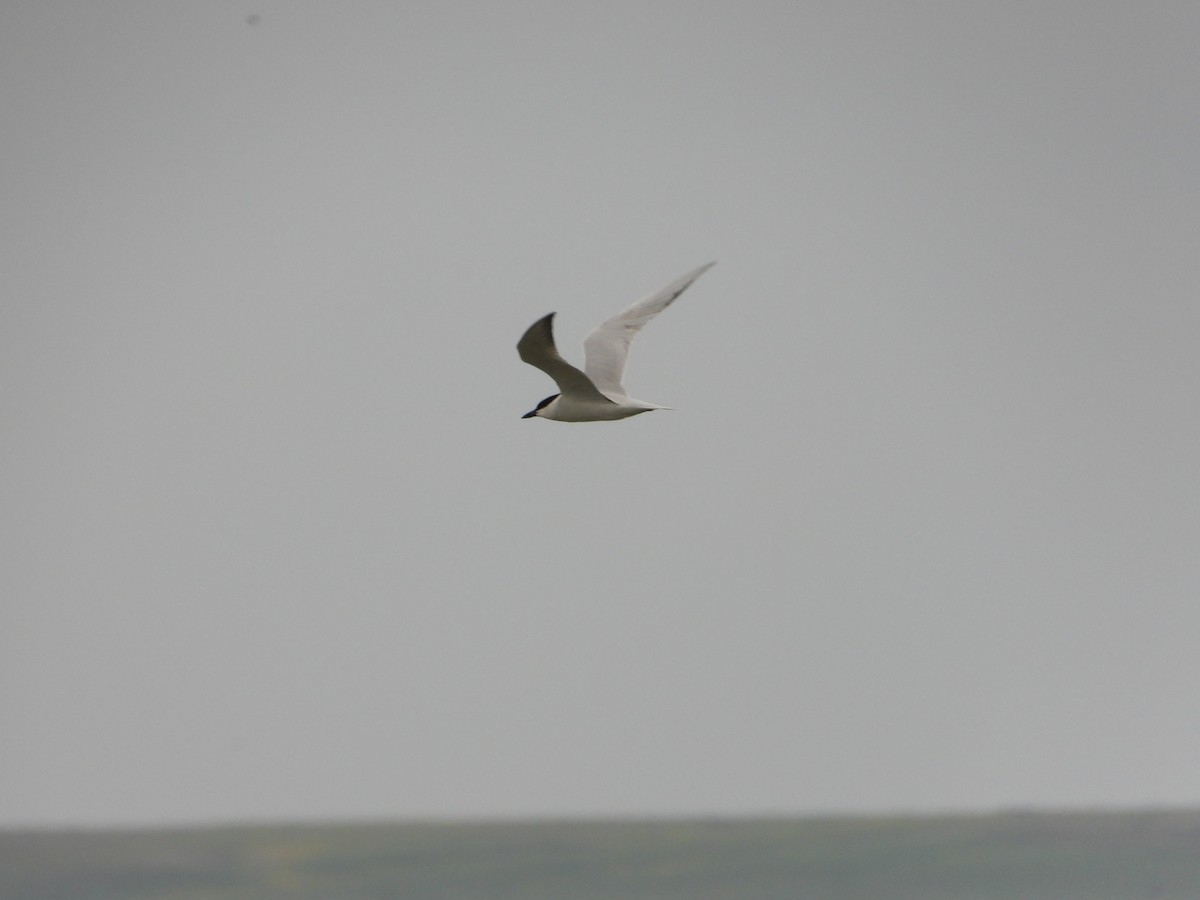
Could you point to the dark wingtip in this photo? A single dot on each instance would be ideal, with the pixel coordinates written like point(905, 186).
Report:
point(546, 324)
point(540, 331)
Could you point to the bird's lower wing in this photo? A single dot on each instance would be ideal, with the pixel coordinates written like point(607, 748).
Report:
point(536, 347)
point(607, 348)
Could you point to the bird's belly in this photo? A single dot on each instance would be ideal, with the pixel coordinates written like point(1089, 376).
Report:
point(586, 411)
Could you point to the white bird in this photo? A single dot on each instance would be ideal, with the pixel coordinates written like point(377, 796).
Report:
point(596, 394)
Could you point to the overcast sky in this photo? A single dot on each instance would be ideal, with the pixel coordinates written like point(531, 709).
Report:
point(923, 533)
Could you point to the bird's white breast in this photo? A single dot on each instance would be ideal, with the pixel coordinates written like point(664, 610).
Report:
point(569, 409)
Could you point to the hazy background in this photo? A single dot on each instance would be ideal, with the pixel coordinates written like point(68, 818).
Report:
point(923, 534)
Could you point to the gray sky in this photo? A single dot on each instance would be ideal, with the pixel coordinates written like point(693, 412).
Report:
point(924, 532)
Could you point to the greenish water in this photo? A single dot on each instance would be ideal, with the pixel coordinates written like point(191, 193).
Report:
point(1089, 856)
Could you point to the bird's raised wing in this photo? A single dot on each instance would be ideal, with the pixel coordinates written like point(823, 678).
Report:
point(606, 349)
point(536, 347)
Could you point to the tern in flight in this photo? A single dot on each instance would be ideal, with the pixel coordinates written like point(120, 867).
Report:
point(596, 394)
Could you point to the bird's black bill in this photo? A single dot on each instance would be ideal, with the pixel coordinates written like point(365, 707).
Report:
point(529, 415)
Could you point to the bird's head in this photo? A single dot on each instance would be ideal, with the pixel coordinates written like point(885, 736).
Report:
point(536, 412)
